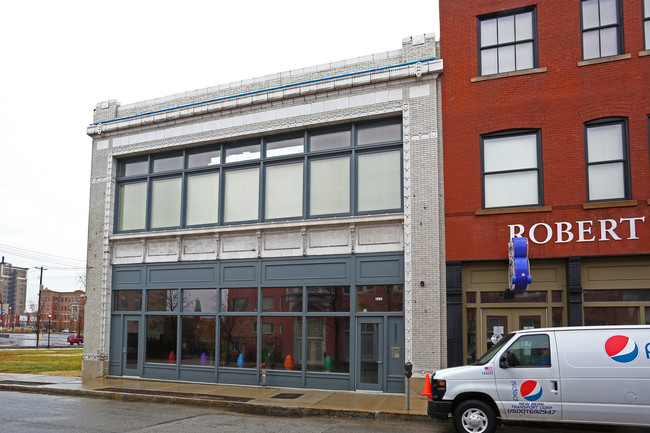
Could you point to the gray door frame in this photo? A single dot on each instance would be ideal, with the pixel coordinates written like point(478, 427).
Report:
point(128, 345)
point(379, 356)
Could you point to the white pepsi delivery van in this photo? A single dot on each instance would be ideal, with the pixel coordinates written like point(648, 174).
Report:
point(591, 374)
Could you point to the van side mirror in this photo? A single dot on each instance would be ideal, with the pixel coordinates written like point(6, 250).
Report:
point(508, 359)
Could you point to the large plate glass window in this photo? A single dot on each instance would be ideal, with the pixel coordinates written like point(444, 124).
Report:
point(166, 203)
point(242, 195)
point(132, 207)
point(511, 169)
point(202, 199)
point(379, 181)
point(602, 30)
point(607, 162)
point(329, 186)
point(283, 195)
point(507, 42)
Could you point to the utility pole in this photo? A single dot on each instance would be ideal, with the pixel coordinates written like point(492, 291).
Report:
point(38, 314)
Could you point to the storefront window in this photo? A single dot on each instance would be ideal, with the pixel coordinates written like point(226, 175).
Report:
point(238, 339)
point(380, 298)
point(280, 347)
point(282, 299)
point(198, 337)
point(327, 344)
point(611, 316)
point(200, 301)
point(161, 339)
point(162, 300)
point(127, 300)
point(328, 299)
point(239, 300)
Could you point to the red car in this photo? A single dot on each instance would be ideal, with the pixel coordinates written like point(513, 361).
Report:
point(76, 338)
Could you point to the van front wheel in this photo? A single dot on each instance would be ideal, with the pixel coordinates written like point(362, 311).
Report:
point(475, 416)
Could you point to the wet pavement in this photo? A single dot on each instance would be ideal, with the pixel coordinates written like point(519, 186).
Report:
point(17, 340)
point(246, 399)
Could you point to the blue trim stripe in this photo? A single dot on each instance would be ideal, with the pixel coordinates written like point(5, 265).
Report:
point(286, 86)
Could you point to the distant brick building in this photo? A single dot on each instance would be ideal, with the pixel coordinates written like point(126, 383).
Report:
point(545, 113)
point(64, 310)
point(13, 288)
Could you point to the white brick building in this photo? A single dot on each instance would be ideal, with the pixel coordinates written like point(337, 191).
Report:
point(293, 220)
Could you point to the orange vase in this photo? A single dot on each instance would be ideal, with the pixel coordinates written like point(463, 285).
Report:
point(288, 363)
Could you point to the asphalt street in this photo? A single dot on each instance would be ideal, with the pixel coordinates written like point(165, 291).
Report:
point(25, 412)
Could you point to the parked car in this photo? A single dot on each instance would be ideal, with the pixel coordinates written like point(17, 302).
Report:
point(76, 338)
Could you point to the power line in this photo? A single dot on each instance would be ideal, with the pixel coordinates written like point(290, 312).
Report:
point(44, 257)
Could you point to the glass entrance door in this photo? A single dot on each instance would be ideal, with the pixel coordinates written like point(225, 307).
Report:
point(131, 360)
point(370, 354)
point(502, 321)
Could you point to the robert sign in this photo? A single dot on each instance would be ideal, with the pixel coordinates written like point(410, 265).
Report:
point(579, 231)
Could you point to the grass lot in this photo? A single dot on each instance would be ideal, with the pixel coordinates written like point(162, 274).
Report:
point(51, 362)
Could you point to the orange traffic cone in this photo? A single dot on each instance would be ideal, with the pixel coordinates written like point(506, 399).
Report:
point(427, 386)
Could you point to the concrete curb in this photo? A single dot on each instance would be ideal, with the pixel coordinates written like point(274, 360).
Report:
point(234, 406)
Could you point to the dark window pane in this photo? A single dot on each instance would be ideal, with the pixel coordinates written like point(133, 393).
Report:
point(239, 300)
point(379, 133)
point(162, 300)
point(198, 339)
point(630, 295)
point(471, 336)
point(238, 342)
point(282, 299)
point(161, 339)
point(328, 299)
point(471, 297)
point(127, 300)
point(329, 140)
point(200, 300)
point(167, 163)
point(611, 316)
point(134, 168)
point(512, 296)
point(280, 346)
point(380, 298)
point(328, 344)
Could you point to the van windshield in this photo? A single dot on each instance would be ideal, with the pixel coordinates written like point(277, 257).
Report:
point(492, 350)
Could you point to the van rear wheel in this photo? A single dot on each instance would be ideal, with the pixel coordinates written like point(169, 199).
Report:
point(475, 416)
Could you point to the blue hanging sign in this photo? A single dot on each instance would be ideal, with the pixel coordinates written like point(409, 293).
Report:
point(519, 268)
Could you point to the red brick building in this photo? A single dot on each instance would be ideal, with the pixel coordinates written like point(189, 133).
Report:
point(65, 308)
point(545, 113)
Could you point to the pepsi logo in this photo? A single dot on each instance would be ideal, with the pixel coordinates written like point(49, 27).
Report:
point(621, 348)
point(531, 390)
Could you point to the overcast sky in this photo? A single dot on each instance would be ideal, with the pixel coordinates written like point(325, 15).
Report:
point(59, 59)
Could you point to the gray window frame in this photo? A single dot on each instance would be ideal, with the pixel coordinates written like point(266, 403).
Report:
point(627, 187)
point(512, 12)
point(619, 31)
point(646, 24)
point(352, 151)
point(539, 169)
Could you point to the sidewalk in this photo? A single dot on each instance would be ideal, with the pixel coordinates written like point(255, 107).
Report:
point(248, 399)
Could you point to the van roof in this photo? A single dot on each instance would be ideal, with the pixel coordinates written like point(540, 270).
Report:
point(584, 328)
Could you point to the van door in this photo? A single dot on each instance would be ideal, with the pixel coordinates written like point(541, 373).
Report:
point(528, 386)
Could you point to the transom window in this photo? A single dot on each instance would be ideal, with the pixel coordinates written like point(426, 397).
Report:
point(507, 42)
point(347, 170)
point(607, 159)
point(602, 30)
point(512, 172)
